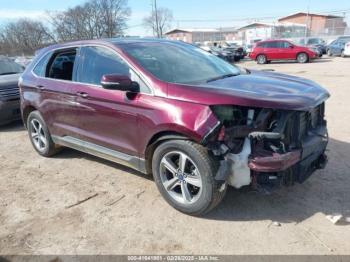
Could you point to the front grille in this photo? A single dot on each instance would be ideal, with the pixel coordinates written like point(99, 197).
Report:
point(9, 92)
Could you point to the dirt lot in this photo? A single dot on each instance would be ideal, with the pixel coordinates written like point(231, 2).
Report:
point(128, 216)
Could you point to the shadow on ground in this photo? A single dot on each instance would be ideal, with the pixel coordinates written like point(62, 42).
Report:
point(68, 153)
point(326, 192)
point(12, 127)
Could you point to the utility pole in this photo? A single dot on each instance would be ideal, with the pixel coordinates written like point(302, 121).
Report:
point(307, 19)
point(156, 14)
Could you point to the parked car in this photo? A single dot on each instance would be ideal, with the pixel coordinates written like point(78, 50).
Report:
point(237, 50)
point(9, 91)
point(317, 50)
point(346, 50)
point(336, 48)
point(266, 51)
point(314, 43)
point(167, 108)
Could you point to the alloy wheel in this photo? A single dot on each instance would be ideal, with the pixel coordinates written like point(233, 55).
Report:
point(38, 135)
point(302, 58)
point(261, 59)
point(181, 177)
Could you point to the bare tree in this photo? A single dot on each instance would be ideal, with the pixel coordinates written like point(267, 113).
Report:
point(114, 14)
point(90, 20)
point(93, 19)
point(24, 35)
point(159, 21)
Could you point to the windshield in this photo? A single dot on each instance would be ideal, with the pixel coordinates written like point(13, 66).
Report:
point(314, 41)
point(9, 67)
point(178, 62)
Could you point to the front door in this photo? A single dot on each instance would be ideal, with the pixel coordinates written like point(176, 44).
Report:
point(286, 50)
point(107, 118)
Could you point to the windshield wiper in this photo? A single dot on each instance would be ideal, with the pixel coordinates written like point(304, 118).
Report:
point(221, 77)
point(9, 73)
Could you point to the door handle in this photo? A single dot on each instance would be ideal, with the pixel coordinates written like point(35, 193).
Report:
point(83, 94)
point(40, 87)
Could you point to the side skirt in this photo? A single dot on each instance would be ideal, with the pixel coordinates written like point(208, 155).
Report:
point(103, 152)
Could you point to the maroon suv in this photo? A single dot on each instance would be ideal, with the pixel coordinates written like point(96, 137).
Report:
point(194, 121)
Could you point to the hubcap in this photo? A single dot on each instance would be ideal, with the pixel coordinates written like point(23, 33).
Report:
point(38, 135)
point(180, 177)
point(261, 59)
point(302, 58)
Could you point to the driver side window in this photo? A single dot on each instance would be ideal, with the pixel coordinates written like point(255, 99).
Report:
point(98, 61)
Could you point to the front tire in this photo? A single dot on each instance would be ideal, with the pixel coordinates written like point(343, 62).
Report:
point(184, 173)
point(302, 58)
point(329, 53)
point(40, 136)
point(342, 54)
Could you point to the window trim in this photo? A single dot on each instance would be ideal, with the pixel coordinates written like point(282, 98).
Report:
point(82, 58)
point(152, 93)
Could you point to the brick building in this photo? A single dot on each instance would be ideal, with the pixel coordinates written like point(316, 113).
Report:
point(201, 35)
point(318, 24)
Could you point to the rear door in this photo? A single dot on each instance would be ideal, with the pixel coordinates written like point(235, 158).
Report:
point(271, 50)
point(55, 76)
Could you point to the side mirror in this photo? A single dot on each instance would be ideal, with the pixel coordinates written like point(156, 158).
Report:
point(291, 46)
point(119, 82)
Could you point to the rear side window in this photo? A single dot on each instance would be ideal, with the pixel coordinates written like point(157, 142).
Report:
point(268, 45)
point(62, 64)
point(40, 68)
point(271, 44)
point(283, 44)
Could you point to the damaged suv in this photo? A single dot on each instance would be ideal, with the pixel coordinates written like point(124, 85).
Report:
point(167, 108)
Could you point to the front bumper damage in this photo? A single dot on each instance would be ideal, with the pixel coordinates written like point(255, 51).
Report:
point(286, 153)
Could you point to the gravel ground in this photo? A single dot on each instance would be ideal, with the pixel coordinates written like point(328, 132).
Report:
point(127, 215)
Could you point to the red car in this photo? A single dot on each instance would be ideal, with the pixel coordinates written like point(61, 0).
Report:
point(266, 51)
point(167, 108)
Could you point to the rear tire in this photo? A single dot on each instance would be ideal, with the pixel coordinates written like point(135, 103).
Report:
point(302, 58)
point(184, 173)
point(261, 59)
point(39, 135)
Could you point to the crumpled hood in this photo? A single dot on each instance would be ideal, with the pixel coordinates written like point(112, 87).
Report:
point(260, 89)
point(9, 80)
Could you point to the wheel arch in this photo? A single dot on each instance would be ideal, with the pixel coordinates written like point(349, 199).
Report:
point(256, 57)
point(156, 140)
point(303, 52)
point(25, 113)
